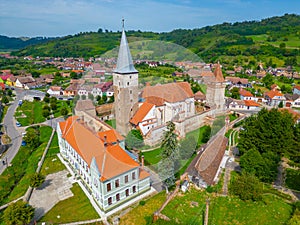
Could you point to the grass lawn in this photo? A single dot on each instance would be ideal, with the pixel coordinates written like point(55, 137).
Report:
point(152, 157)
point(231, 211)
point(14, 181)
point(111, 123)
point(32, 163)
point(4, 113)
point(142, 214)
point(197, 134)
point(52, 164)
point(189, 208)
point(63, 104)
point(76, 208)
point(30, 113)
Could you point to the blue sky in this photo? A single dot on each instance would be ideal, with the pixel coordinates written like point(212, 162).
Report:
point(63, 17)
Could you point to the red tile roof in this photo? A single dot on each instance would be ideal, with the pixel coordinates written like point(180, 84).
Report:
point(172, 92)
point(245, 93)
point(251, 103)
point(141, 113)
point(111, 160)
point(272, 94)
point(297, 87)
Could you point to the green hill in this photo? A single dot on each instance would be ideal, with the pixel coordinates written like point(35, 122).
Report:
point(275, 41)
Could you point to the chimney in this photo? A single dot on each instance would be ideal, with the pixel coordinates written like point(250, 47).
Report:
point(105, 142)
point(142, 161)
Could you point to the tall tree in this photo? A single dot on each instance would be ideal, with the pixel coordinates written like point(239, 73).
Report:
point(18, 213)
point(169, 155)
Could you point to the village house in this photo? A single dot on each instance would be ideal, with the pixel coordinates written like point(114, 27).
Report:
point(292, 100)
point(55, 90)
point(26, 82)
point(273, 98)
point(237, 82)
point(242, 105)
point(108, 173)
point(246, 95)
point(296, 89)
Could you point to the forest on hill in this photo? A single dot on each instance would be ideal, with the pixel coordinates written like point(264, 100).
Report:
point(275, 41)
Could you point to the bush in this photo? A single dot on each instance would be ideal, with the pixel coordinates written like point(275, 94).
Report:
point(36, 180)
point(246, 187)
point(142, 203)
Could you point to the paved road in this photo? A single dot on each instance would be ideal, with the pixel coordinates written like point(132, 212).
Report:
point(12, 131)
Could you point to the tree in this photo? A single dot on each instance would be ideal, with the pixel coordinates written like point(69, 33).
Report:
point(169, 155)
point(246, 187)
point(18, 213)
point(53, 105)
point(9, 92)
point(36, 180)
point(5, 99)
point(46, 99)
point(134, 139)
point(280, 105)
point(64, 111)
point(32, 137)
point(104, 98)
point(98, 98)
point(268, 80)
point(206, 134)
point(83, 97)
point(235, 93)
point(46, 113)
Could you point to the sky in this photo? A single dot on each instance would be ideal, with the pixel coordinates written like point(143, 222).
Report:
point(53, 18)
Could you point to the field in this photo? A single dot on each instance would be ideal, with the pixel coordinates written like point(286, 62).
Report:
point(232, 211)
point(189, 208)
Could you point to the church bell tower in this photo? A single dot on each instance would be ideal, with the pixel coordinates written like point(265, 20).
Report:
point(125, 83)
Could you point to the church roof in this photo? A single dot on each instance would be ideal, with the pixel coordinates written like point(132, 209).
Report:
point(172, 92)
point(141, 113)
point(124, 62)
point(218, 73)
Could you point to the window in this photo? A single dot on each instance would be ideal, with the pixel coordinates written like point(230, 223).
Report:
point(130, 91)
point(133, 176)
point(126, 179)
point(108, 187)
point(118, 197)
point(134, 189)
point(109, 201)
point(127, 83)
point(117, 183)
point(127, 192)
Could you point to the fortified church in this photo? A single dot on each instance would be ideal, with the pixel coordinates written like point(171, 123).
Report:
point(151, 108)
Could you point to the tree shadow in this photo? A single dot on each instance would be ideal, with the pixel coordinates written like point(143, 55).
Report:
point(45, 184)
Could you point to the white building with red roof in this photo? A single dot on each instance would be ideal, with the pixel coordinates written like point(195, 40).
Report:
point(106, 170)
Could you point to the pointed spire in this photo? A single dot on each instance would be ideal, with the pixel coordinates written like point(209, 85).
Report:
point(218, 73)
point(124, 62)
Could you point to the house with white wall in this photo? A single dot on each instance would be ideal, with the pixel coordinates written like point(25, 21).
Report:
point(99, 159)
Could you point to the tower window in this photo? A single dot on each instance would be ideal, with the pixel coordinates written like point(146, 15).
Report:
point(130, 91)
point(127, 83)
point(130, 77)
point(119, 83)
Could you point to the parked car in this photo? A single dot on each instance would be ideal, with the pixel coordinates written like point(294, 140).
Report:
point(23, 143)
point(18, 124)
